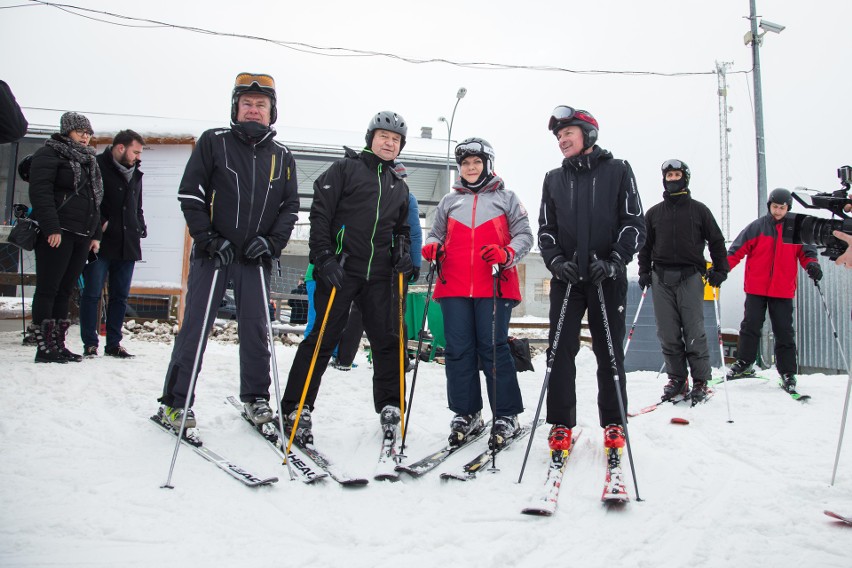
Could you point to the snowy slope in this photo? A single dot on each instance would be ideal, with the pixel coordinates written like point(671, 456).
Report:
point(82, 467)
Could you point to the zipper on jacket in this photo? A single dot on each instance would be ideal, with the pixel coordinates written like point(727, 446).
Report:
point(376, 222)
point(251, 193)
point(472, 241)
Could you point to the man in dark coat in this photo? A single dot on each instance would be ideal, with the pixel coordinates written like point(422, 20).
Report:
point(123, 224)
point(240, 199)
point(672, 263)
point(589, 227)
point(359, 244)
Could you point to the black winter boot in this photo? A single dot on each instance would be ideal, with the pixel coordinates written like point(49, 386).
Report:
point(61, 331)
point(46, 351)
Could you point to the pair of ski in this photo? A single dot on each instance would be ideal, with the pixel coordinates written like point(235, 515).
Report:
point(794, 394)
point(674, 400)
point(614, 491)
point(301, 456)
point(194, 443)
point(469, 470)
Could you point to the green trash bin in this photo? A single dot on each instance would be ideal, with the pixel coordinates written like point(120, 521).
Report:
point(415, 304)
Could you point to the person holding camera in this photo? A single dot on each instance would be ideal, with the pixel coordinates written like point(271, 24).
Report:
point(770, 284)
point(672, 263)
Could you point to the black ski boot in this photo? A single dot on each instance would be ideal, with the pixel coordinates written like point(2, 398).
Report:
point(676, 386)
point(699, 392)
point(788, 382)
point(740, 370)
point(61, 331)
point(463, 425)
point(46, 351)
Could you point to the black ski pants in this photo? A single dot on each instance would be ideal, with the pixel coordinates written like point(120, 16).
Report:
point(781, 317)
point(679, 310)
point(252, 321)
point(561, 392)
point(380, 315)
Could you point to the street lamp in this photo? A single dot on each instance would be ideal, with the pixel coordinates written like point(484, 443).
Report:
point(459, 96)
point(756, 40)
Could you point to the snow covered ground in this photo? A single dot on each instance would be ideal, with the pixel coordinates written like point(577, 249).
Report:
point(82, 467)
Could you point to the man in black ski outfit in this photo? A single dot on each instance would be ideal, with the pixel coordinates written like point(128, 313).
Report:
point(590, 226)
point(359, 241)
point(240, 200)
point(672, 263)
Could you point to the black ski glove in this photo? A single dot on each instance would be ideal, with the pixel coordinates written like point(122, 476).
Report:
point(600, 270)
point(814, 271)
point(645, 280)
point(565, 270)
point(715, 277)
point(257, 248)
point(330, 270)
point(415, 275)
point(218, 248)
point(401, 255)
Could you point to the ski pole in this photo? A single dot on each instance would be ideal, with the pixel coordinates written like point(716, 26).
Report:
point(848, 384)
point(403, 355)
point(722, 351)
point(193, 377)
point(430, 278)
point(550, 358)
point(273, 362)
point(495, 276)
point(617, 380)
point(23, 310)
point(635, 319)
point(311, 370)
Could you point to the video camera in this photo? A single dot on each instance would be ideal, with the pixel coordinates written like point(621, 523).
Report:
point(805, 229)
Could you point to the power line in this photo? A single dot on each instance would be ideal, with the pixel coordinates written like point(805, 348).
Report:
point(326, 51)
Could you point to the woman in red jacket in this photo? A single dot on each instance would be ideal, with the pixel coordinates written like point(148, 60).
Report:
point(477, 226)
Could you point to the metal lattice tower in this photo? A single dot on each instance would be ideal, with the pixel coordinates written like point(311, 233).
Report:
point(724, 148)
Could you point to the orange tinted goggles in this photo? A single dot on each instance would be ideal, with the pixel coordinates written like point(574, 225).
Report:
point(249, 79)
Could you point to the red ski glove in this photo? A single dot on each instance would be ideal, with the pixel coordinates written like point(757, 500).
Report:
point(433, 252)
point(496, 254)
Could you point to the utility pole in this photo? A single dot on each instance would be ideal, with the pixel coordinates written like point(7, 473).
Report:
point(724, 147)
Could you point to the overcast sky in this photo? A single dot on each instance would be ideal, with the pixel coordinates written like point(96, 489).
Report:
point(55, 59)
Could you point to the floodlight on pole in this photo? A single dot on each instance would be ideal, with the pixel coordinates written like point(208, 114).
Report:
point(459, 96)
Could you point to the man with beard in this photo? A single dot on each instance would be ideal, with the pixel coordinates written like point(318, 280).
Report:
point(123, 224)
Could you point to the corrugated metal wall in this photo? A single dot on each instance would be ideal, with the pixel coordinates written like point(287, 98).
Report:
point(818, 350)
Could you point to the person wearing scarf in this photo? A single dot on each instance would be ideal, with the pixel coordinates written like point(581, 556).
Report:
point(65, 192)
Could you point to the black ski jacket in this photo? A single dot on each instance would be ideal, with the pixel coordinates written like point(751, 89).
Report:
point(360, 206)
point(677, 230)
point(57, 204)
point(121, 210)
point(590, 204)
point(239, 189)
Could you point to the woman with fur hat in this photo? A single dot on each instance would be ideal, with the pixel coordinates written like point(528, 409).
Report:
point(65, 192)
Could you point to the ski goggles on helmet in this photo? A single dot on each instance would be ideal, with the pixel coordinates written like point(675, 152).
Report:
point(254, 82)
point(471, 149)
point(673, 165)
point(563, 114)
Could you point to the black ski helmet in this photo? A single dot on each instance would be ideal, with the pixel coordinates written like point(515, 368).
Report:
point(676, 165)
point(387, 120)
point(780, 196)
point(563, 116)
point(476, 147)
point(254, 83)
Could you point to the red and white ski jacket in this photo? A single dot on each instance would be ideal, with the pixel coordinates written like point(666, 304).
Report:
point(771, 264)
point(464, 223)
